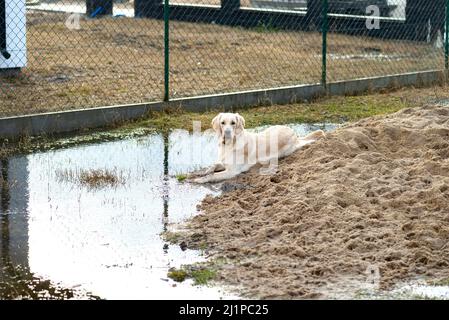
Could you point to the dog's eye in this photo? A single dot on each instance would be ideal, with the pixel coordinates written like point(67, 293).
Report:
point(233, 122)
point(222, 122)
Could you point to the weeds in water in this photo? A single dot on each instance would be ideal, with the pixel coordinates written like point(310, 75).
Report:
point(94, 179)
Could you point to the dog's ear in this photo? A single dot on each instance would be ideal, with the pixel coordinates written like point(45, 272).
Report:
point(240, 123)
point(216, 124)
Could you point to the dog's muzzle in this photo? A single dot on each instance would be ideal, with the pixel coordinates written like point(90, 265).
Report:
point(227, 136)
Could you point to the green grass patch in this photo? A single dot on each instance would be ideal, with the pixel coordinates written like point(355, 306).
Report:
point(181, 177)
point(177, 275)
point(201, 275)
point(331, 110)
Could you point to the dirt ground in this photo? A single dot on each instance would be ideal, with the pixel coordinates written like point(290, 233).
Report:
point(112, 61)
point(373, 194)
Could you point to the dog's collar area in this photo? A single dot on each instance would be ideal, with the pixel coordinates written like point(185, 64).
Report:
point(234, 140)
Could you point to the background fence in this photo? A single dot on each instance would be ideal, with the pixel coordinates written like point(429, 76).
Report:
point(87, 53)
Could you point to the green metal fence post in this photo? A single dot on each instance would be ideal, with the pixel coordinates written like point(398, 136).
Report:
point(324, 27)
point(166, 50)
point(446, 32)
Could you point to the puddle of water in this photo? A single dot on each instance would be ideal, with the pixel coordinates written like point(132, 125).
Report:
point(413, 290)
point(423, 291)
point(61, 239)
point(443, 102)
point(358, 288)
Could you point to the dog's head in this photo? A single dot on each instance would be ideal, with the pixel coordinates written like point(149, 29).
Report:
point(228, 126)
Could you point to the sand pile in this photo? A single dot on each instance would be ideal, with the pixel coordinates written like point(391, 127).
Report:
point(374, 193)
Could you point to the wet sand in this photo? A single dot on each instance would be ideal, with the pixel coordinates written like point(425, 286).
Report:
point(373, 194)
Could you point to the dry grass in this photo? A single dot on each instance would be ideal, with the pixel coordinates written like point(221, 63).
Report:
point(93, 179)
point(120, 60)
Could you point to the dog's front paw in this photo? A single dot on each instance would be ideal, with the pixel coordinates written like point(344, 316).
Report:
point(199, 180)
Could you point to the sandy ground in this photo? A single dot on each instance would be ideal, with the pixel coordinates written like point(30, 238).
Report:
point(374, 194)
point(112, 61)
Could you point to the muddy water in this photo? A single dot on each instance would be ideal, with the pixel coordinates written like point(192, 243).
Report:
point(63, 239)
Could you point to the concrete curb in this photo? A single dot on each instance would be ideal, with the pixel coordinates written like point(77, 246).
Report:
point(76, 120)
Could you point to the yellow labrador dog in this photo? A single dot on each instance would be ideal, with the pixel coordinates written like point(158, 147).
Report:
point(239, 150)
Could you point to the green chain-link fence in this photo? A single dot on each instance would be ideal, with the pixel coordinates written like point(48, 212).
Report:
point(88, 53)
